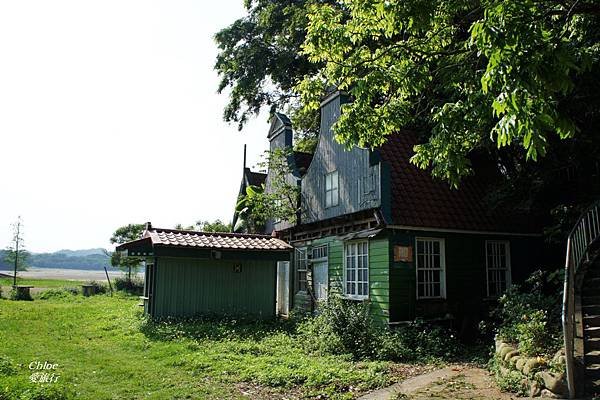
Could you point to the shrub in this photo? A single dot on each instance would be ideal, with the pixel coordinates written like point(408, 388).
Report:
point(133, 286)
point(345, 327)
point(535, 336)
point(508, 380)
point(64, 293)
point(418, 341)
point(342, 327)
point(531, 312)
point(72, 290)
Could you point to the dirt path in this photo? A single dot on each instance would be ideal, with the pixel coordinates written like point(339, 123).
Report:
point(460, 382)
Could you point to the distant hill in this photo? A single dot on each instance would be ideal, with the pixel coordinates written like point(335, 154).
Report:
point(91, 259)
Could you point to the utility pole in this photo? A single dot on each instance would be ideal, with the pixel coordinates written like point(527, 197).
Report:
point(17, 240)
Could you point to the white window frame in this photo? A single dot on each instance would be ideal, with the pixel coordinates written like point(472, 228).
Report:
point(332, 177)
point(442, 268)
point(506, 269)
point(356, 281)
point(297, 268)
point(323, 249)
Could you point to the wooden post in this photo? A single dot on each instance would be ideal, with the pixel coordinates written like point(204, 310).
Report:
point(109, 285)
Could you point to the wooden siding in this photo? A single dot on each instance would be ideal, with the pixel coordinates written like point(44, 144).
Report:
point(378, 275)
point(466, 290)
point(353, 166)
point(190, 287)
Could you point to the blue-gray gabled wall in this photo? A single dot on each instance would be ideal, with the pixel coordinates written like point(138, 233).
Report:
point(359, 180)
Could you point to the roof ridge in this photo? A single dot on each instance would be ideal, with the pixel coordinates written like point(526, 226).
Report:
point(230, 234)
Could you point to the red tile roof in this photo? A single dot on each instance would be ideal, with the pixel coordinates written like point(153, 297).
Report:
point(419, 200)
point(208, 240)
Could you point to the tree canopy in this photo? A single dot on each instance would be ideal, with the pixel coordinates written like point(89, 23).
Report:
point(470, 74)
point(260, 63)
point(122, 235)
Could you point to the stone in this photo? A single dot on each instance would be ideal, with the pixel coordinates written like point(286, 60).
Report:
point(504, 350)
point(513, 360)
point(511, 354)
point(548, 394)
point(553, 382)
point(535, 389)
point(532, 365)
point(499, 342)
point(521, 363)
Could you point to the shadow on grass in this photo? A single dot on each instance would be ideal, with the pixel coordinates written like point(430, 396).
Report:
point(213, 328)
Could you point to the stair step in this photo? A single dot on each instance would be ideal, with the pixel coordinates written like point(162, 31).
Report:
point(592, 332)
point(591, 344)
point(592, 357)
point(590, 321)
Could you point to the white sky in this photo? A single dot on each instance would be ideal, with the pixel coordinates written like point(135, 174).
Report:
point(109, 115)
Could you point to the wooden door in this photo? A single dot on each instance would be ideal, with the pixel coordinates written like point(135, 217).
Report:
point(283, 287)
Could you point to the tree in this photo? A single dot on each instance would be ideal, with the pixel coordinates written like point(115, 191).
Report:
point(206, 226)
point(260, 62)
point(215, 226)
point(122, 235)
point(278, 202)
point(512, 77)
point(15, 253)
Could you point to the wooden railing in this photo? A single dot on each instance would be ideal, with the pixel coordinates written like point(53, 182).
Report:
point(585, 232)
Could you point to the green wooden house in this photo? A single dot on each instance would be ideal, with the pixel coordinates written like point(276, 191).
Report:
point(373, 227)
point(190, 273)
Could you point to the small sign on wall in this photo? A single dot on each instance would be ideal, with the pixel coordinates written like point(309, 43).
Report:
point(403, 253)
point(237, 268)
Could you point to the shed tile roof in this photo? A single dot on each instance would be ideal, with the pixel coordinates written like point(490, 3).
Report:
point(214, 240)
point(419, 200)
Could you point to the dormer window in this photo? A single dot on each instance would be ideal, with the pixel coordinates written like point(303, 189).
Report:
point(332, 192)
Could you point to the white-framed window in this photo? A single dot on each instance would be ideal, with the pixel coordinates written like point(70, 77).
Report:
point(301, 262)
point(431, 268)
point(332, 191)
point(356, 269)
point(320, 252)
point(497, 265)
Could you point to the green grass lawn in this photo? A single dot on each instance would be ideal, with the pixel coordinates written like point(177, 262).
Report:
point(41, 283)
point(105, 349)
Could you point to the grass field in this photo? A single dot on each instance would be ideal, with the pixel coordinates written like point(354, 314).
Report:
point(40, 283)
point(105, 349)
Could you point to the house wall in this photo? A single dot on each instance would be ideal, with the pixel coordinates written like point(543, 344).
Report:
point(466, 280)
point(353, 166)
point(379, 267)
point(192, 287)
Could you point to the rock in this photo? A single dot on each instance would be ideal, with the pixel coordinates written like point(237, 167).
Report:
point(553, 382)
point(504, 350)
point(548, 394)
point(560, 353)
point(513, 361)
point(498, 342)
point(510, 355)
point(535, 390)
point(531, 365)
point(521, 363)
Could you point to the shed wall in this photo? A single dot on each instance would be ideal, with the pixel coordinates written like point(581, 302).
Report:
point(191, 287)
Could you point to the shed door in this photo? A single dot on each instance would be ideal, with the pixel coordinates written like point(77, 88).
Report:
point(320, 280)
point(283, 287)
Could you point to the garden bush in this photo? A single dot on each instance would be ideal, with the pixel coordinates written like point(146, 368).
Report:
point(133, 286)
point(528, 315)
point(51, 294)
point(7, 366)
point(346, 327)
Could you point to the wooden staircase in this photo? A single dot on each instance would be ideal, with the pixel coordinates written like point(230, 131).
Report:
point(581, 305)
point(590, 306)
